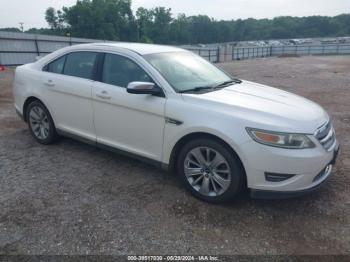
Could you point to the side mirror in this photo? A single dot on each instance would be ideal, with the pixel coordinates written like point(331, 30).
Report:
point(144, 88)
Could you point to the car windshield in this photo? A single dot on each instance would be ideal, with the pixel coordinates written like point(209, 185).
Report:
point(186, 71)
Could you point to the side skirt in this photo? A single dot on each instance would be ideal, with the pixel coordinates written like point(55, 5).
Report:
point(146, 160)
point(75, 137)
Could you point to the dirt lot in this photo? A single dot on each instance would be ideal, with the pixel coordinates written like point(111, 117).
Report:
point(71, 198)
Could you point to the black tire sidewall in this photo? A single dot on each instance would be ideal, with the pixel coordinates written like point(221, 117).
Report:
point(237, 172)
point(51, 138)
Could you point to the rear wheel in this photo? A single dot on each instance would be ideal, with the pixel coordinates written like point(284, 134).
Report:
point(210, 171)
point(40, 123)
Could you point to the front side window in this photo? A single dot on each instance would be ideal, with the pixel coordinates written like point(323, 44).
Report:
point(120, 71)
point(187, 71)
point(56, 66)
point(80, 64)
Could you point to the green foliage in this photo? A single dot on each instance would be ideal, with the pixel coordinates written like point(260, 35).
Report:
point(144, 18)
point(102, 19)
point(48, 31)
point(11, 29)
point(114, 20)
point(161, 25)
point(54, 18)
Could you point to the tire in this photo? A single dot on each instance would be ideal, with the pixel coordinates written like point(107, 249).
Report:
point(40, 123)
point(219, 179)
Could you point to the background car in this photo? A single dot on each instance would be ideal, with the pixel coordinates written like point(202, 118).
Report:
point(2, 70)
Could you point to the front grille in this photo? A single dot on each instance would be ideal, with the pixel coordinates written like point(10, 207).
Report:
point(326, 136)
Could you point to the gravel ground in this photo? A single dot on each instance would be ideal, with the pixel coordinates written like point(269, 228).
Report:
point(71, 198)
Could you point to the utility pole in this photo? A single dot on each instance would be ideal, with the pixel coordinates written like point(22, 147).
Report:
point(21, 26)
point(70, 38)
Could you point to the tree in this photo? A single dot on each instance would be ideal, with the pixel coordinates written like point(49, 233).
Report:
point(201, 29)
point(51, 17)
point(114, 20)
point(145, 18)
point(11, 29)
point(102, 19)
point(161, 25)
point(54, 18)
point(180, 30)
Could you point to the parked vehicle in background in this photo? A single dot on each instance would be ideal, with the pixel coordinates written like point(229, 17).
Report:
point(174, 109)
point(274, 43)
point(2, 70)
point(329, 41)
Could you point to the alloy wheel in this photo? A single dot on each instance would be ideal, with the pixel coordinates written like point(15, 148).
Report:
point(207, 171)
point(39, 122)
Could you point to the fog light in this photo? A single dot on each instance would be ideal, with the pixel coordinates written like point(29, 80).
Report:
point(274, 177)
point(325, 172)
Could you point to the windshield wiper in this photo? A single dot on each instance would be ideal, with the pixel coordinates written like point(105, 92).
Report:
point(196, 89)
point(221, 85)
point(226, 83)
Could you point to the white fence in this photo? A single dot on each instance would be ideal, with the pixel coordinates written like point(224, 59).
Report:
point(22, 48)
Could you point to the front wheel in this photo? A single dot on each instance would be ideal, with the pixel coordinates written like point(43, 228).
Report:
point(210, 170)
point(40, 123)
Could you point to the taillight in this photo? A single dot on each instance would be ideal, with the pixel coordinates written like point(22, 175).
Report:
point(2, 68)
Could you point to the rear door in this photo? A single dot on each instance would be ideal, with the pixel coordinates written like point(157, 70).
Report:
point(67, 85)
point(133, 123)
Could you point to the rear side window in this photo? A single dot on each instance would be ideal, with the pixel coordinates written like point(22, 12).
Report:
point(56, 66)
point(80, 64)
point(120, 71)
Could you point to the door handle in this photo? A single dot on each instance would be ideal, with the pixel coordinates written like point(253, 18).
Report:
point(49, 83)
point(104, 95)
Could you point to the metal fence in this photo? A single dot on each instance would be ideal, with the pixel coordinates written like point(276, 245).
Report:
point(211, 54)
point(250, 52)
point(21, 48)
point(239, 53)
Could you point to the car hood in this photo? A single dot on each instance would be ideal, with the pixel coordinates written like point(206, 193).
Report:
point(265, 107)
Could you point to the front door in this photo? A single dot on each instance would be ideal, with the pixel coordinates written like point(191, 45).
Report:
point(133, 123)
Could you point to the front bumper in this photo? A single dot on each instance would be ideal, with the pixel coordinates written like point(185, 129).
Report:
point(321, 179)
point(19, 114)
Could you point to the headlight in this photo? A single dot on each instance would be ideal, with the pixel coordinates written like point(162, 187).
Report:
point(284, 140)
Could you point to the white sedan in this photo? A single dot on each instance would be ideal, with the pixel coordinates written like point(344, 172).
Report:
point(174, 109)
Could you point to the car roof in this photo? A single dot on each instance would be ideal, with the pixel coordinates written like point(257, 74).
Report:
point(142, 49)
point(137, 48)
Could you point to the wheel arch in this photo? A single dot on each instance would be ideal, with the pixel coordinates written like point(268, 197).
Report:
point(27, 102)
point(195, 135)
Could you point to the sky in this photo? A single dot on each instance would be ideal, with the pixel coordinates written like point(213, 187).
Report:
point(32, 12)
